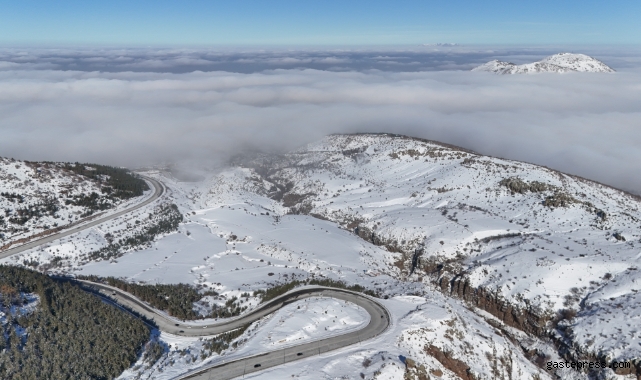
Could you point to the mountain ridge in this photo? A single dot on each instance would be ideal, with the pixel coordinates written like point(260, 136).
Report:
point(574, 235)
point(557, 63)
point(458, 244)
point(467, 150)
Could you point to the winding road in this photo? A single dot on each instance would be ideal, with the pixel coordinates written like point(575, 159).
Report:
point(378, 323)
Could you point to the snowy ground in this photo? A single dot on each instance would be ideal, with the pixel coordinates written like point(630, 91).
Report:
point(31, 303)
point(240, 235)
point(414, 194)
point(309, 319)
point(32, 185)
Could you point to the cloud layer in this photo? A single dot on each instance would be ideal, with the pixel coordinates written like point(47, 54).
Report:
point(399, 59)
point(586, 124)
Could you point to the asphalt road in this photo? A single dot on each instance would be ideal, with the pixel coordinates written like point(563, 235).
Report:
point(379, 321)
point(379, 316)
point(47, 239)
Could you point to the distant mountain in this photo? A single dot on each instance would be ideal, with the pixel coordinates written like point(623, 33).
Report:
point(442, 44)
point(557, 63)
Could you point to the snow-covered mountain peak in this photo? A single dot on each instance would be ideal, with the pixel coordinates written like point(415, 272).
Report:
point(578, 62)
point(495, 66)
point(557, 63)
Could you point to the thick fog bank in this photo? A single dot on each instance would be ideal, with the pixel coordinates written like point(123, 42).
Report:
point(585, 124)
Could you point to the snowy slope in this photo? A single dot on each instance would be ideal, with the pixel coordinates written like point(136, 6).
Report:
point(235, 240)
point(578, 62)
point(33, 195)
point(358, 207)
point(557, 63)
point(567, 243)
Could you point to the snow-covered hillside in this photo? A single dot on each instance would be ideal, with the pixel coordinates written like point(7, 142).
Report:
point(36, 198)
point(244, 242)
point(547, 243)
point(557, 63)
point(471, 253)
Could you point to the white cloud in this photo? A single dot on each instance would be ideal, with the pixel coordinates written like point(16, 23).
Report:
point(584, 124)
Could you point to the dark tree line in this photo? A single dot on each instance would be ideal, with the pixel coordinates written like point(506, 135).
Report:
point(154, 350)
point(71, 334)
point(92, 202)
point(221, 342)
point(121, 183)
point(13, 197)
point(175, 299)
point(281, 289)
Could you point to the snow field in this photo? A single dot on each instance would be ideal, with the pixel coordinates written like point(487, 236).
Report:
point(410, 193)
point(310, 319)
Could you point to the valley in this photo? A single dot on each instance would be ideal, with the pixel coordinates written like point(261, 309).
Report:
point(487, 266)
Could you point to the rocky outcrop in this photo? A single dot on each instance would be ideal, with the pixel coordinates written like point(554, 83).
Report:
point(367, 234)
point(517, 185)
point(529, 321)
point(525, 320)
point(458, 367)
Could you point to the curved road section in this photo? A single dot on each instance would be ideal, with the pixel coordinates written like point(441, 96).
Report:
point(379, 322)
point(379, 316)
point(158, 190)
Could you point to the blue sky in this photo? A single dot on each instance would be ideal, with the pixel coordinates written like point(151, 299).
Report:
point(328, 22)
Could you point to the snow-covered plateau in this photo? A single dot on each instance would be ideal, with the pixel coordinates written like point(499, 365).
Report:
point(490, 268)
point(557, 63)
